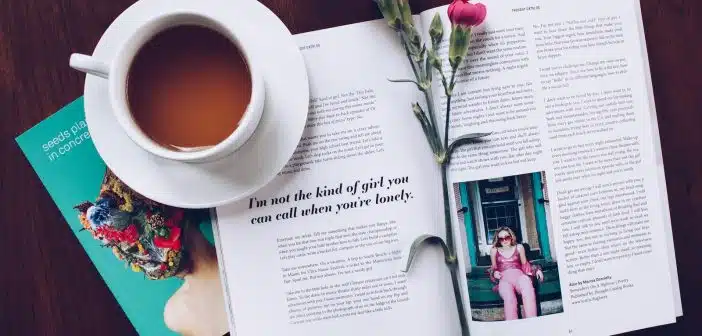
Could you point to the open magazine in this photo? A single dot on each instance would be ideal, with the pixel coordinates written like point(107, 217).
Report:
point(570, 185)
point(168, 285)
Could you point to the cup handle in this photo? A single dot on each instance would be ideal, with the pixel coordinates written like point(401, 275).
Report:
point(89, 64)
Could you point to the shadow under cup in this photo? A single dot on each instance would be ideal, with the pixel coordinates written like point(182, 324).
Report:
point(186, 88)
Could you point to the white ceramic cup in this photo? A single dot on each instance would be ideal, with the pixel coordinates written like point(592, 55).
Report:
point(115, 71)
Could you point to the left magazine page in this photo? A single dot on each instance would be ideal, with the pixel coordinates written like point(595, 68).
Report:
point(159, 262)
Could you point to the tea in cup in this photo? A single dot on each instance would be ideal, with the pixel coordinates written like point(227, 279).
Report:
point(183, 87)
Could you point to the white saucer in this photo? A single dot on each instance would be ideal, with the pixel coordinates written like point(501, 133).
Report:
point(251, 167)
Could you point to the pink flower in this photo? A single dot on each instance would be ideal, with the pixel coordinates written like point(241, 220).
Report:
point(462, 12)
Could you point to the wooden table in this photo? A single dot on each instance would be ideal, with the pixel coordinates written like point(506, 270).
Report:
point(47, 283)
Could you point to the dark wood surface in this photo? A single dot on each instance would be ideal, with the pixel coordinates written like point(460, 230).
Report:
point(48, 285)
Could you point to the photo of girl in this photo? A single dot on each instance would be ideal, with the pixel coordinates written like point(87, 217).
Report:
point(512, 272)
point(512, 268)
point(162, 242)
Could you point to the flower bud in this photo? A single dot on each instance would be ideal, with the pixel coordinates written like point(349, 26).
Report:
point(405, 13)
point(436, 30)
point(390, 12)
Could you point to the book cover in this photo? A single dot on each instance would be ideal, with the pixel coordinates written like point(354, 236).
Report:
point(61, 152)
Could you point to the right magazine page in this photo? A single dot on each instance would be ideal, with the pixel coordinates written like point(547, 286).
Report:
point(562, 212)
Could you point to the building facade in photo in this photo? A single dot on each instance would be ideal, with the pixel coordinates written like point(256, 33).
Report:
point(521, 203)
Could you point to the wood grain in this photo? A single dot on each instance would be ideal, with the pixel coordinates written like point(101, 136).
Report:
point(48, 285)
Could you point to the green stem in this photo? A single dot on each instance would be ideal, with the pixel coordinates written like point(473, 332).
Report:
point(409, 57)
point(433, 134)
point(446, 124)
point(447, 211)
point(443, 81)
point(452, 260)
point(432, 119)
point(427, 93)
point(455, 279)
point(449, 94)
point(444, 170)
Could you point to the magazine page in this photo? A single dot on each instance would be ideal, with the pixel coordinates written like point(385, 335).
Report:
point(159, 294)
point(655, 137)
point(320, 250)
point(568, 182)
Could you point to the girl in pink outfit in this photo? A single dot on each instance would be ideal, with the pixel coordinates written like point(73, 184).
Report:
point(511, 270)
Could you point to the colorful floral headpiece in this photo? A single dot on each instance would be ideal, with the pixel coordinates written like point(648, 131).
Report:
point(145, 234)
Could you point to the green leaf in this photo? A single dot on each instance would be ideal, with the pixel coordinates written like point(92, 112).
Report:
point(423, 240)
point(428, 67)
point(422, 118)
point(426, 127)
point(419, 86)
point(463, 140)
point(436, 31)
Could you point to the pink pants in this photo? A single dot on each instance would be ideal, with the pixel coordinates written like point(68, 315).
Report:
point(515, 282)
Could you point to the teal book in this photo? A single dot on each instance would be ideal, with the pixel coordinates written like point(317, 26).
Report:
point(61, 152)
